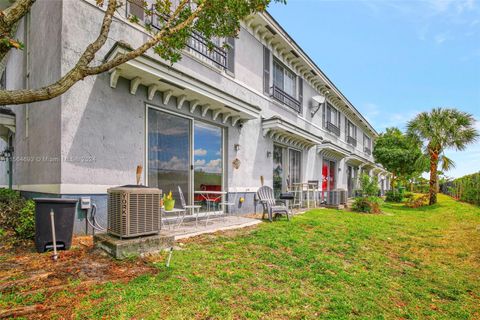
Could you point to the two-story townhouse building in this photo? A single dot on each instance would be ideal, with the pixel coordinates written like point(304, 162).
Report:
point(229, 119)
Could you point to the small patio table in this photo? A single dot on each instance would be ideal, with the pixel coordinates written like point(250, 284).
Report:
point(210, 196)
point(308, 187)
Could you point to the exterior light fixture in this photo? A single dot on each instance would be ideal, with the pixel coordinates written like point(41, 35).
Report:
point(318, 102)
point(236, 147)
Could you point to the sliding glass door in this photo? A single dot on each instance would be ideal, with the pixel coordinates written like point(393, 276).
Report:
point(184, 152)
point(169, 156)
point(208, 162)
point(286, 168)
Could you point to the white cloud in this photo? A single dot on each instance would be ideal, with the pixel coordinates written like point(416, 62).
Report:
point(200, 162)
point(200, 152)
point(213, 166)
point(440, 38)
point(447, 6)
point(477, 125)
point(175, 131)
point(174, 163)
point(380, 118)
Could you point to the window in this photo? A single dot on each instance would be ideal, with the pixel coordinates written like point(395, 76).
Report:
point(286, 168)
point(351, 132)
point(333, 119)
point(367, 144)
point(294, 166)
point(285, 86)
point(284, 79)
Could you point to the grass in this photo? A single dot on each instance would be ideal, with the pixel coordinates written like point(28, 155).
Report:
point(326, 264)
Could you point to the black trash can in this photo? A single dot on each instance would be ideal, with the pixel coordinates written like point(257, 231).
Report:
point(64, 213)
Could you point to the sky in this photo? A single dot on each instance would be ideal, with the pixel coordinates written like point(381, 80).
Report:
point(395, 58)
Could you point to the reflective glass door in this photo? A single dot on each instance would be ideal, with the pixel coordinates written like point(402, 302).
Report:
point(169, 149)
point(278, 163)
point(208, 163)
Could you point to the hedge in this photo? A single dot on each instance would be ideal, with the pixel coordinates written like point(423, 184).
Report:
point(466, 188)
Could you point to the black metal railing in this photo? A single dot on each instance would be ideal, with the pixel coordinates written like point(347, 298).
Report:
point(216, 54)
point(367, 150)
point(197, 43)
point(283, 97)
point(352, 141)
point(333, 128)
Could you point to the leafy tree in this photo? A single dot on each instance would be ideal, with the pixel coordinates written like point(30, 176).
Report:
point(176, 22)
point(368, 186)
point(398, 154)
point(441, 129)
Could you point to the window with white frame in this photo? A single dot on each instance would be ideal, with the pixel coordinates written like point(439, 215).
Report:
point(351, 131)
point(284, 79)
point(367, 144)
point(332, 118)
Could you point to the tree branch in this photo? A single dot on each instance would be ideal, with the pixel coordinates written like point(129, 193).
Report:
point(118, 60)
point(9, 19)
point(67, 81)
point(13, 13)
point(82, 69)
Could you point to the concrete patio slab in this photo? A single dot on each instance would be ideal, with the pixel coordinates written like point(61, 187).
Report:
point(124, 248)
point(190, 229)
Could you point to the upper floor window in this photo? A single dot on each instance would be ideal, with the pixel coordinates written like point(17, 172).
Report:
point(332, 118)
point(284, 79)
point(351, 132)
point(367, 144)
point(284, 85)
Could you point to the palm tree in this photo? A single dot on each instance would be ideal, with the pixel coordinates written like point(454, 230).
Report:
point(441, 129)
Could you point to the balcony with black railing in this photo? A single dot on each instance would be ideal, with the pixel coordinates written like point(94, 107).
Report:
point(333, 128)
point(197, 43)
point(283, 97)
point(352, 141)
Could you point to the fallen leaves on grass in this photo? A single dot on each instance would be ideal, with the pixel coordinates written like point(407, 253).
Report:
point(32, 285)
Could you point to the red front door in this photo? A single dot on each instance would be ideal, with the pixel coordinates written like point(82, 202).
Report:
point(324, 176)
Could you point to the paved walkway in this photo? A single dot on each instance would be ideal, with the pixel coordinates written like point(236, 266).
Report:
point(189, 229)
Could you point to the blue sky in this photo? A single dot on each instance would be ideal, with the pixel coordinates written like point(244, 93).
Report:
point(395, 58)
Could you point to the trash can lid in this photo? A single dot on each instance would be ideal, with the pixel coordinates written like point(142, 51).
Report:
point(55, 200)
point(133, 186)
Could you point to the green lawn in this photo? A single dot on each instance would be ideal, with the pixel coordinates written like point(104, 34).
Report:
point(328, 264)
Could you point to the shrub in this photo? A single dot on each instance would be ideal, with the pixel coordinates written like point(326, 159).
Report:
point(394, 196)
point(25, 224)
point(17, 214)
point(408, 195)
point(367, 205)
point(417, 202)
point(368, 186)
point(466, 188)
